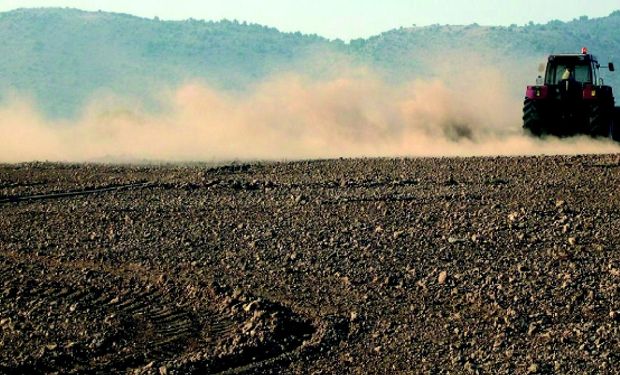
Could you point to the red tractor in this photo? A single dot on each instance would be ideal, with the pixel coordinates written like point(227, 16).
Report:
point(572, 100)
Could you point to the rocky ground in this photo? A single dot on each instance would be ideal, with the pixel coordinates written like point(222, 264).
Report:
point(479, 265)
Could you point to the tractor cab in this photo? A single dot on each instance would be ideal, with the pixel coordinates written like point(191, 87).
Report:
point(582, 68)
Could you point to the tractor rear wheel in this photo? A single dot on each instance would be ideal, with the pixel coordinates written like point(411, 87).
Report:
point(531, 118)
point(600, 119)
point(614, 133)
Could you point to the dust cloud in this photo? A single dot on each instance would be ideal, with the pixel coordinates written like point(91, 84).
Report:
point(292, 117)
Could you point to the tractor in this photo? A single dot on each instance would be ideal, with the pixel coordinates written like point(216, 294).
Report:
point(572, 99)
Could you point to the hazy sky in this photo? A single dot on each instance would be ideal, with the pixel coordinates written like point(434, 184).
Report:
point(345, 19)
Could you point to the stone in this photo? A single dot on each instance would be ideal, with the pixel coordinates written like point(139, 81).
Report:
point(353, 316)
point(443, 275)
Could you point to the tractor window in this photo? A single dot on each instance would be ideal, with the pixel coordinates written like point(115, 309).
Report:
point(581, 73)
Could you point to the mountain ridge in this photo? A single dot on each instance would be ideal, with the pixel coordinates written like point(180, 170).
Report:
point(62, 57)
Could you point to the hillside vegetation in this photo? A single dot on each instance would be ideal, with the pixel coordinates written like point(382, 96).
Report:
point(62, 57)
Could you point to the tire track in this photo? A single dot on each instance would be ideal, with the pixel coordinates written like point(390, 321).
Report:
point(86, 318)
point(101, 330)
point(73, 193)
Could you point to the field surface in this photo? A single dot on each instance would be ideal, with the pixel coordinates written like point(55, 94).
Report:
point(464, 265)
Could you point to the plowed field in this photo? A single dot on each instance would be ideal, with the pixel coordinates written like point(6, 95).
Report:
point(453, 265)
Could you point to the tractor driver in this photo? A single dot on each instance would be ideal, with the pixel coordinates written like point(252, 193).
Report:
point(569, 83)
point(568, 74)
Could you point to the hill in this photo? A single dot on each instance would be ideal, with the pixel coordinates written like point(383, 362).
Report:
point(62, 57)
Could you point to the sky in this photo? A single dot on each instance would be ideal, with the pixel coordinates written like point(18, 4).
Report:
point(345, 19)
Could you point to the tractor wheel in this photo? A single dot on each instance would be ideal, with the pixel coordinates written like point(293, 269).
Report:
point(600, 120)
point(531, 118)
point(614, 133)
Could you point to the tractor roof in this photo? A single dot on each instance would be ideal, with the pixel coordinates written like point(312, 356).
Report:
point(586, 57)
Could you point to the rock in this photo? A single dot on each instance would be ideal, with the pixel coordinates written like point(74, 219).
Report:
point(443, 275)
point(353, 316)
point(251, 306)
point(469, 367)
point(114, 300)
point(453, 240)
point(247, 327)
